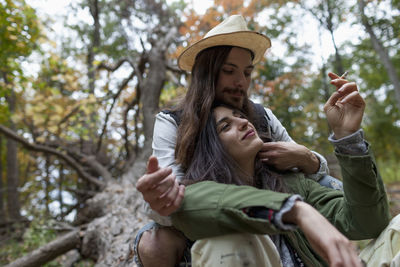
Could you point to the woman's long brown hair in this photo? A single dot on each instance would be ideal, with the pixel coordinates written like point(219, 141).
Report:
point(211, 162)
point(196, 105)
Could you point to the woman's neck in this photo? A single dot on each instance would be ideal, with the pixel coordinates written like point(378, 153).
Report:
point(247, 166)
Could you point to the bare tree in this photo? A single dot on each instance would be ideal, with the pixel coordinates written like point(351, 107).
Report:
point(382, 52)
point(328, 14)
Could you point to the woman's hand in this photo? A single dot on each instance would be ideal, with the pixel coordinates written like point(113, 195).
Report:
point(345, 108)
point(324, 238)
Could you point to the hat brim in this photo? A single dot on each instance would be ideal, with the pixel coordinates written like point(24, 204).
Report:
point(254, 41)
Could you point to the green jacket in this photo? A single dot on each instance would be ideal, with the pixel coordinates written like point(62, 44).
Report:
point(360, 212)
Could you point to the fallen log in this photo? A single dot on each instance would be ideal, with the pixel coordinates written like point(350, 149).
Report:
point(49, 251)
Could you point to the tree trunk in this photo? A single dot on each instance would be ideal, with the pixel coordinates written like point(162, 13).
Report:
point(47, 186)
point(95, 42)
point(2, 189)
point(13, 205)
point(382, 52)
point(326, 91)
point(150, 88)
point(109, 239)
point(60, 190)
point(329, 24)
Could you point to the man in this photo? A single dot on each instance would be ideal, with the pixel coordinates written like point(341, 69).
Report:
point(221, 65)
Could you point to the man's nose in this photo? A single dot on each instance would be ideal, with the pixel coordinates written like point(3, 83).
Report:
point(240, 81)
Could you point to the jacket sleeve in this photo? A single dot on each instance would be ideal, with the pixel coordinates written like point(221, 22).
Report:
point(361, 211)
point(279, 133)
point(213, 209)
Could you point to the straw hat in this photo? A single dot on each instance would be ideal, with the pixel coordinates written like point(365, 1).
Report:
point(232, 31)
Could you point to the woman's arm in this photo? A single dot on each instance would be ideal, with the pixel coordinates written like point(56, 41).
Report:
point(323, 237)
point(361, 211)
point(213, 209)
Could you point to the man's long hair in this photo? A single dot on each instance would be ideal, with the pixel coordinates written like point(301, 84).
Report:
point(196, 105)
point(211, 162)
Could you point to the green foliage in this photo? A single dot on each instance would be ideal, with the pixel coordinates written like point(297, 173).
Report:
point(382, 127)
point(36, 235)
point(370, 68)
point(295, 96)
point(39, 233)
point(389, 169)
point(382, 116)
point(171, 94)
point(19, 30)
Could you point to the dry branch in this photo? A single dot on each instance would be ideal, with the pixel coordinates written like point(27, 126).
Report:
point(49, 251)
point(40, 148)
point(104, 66)
point(115, 98)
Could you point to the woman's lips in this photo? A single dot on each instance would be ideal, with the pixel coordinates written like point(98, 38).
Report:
point(248, 134)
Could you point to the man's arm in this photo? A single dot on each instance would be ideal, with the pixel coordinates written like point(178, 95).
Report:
point(164, 142)
point(284, 153)
point(160, 189)
point(160, 185)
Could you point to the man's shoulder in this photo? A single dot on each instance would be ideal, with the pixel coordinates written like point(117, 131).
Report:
point(262, 111)
point(262, 120)
point(170, 113)
point(165, 119)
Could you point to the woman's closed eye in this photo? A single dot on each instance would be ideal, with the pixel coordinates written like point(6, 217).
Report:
point(224, 127)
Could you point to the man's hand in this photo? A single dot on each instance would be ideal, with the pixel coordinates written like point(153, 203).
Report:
point(287, 155)
point(324, 238)
point(345, 108)
point(160, 188)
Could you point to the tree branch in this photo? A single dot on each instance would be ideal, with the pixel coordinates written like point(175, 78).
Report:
point(121, 87)
point(134, 102)
point(96, 166)
point(382, 52)
point(40, 148)
point(72, 112)
point(174, 69)
point(49, 251)
point(103, 66)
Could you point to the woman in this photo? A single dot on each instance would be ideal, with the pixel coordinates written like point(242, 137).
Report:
point(225, 159)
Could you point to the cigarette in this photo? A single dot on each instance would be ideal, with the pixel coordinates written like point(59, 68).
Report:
point(344, 75)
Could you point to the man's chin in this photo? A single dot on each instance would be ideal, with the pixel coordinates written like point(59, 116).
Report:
point(236, 102)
